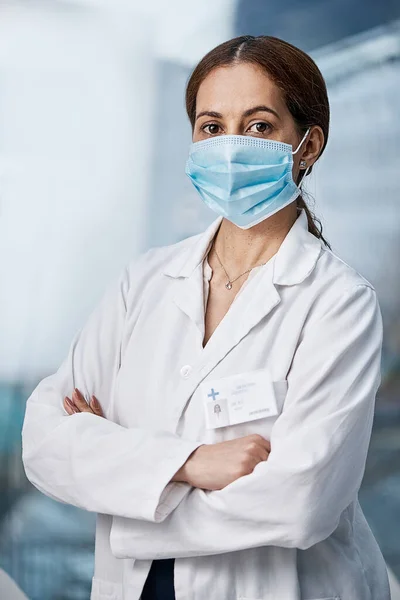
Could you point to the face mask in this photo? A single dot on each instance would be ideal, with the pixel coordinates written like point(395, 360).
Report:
point(243, 178)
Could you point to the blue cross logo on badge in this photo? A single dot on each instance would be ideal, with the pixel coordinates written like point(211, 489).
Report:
point(213, 394)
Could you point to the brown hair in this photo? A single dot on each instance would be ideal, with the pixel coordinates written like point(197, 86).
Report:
point(292, 70)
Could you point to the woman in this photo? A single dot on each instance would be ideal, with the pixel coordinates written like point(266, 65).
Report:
point(236, 371)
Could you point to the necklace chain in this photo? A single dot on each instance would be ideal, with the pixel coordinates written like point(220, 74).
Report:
point(228, 285)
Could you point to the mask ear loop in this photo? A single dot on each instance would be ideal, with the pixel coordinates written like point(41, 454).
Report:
point(304, 137)
point(295, 151)
point(304, 176)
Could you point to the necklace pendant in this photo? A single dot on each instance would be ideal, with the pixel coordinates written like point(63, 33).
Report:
point(228, 285)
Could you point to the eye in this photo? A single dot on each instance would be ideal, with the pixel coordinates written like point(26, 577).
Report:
point(211, 128)
point(260, 127)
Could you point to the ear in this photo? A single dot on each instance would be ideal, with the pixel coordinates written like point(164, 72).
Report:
point(313, 147)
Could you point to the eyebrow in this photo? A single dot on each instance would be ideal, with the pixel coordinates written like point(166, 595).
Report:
point(261, 108)
point(209, 113)
point(247, 113)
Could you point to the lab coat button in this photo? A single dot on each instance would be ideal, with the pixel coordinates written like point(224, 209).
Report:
point(185, 371)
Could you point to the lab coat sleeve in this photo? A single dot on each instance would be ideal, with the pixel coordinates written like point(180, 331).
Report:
point(319, 446)
point(90, 461)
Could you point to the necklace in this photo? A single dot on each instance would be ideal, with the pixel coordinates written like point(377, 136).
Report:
point(228, 285)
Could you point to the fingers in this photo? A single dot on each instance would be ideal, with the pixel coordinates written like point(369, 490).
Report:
point(262, 453)
point(265, 449)
point(69, 406)
point(261, 448)
point(265, 444)
point(78, 404)
point(95, 406)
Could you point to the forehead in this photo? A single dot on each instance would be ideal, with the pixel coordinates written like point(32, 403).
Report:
point(235, 88)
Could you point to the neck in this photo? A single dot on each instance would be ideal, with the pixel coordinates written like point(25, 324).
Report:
point(242, 249)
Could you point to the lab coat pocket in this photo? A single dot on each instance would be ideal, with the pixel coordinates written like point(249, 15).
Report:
point(106, 590)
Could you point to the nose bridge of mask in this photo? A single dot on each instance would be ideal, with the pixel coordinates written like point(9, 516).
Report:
point(304, 137)
point(226, 145)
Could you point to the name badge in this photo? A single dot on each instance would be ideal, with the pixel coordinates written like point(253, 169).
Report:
point(239, 398)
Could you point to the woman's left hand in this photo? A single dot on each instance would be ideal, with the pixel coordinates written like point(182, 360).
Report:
point(78, 404)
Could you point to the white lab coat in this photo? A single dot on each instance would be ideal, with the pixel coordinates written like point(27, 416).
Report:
point(291, 530)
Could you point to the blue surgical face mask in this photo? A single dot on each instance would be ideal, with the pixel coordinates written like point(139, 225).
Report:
point(243, 178)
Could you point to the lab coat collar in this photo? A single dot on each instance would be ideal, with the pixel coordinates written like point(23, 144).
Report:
point(189, 259)
point(297, 255)
point(294, 261)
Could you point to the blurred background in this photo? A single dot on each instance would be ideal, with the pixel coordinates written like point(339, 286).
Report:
point(93, 144)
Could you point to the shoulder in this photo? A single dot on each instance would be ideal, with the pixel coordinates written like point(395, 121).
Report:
point(331, 271)
point(150, 265)
point(339, 290)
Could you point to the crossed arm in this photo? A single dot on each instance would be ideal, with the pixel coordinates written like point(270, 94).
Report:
point(318, 450)
point(84, 459)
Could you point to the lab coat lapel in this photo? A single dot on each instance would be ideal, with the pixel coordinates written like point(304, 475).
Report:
point(294, 261)
point(188, 297)
point(255, 303)
point(187, 272)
